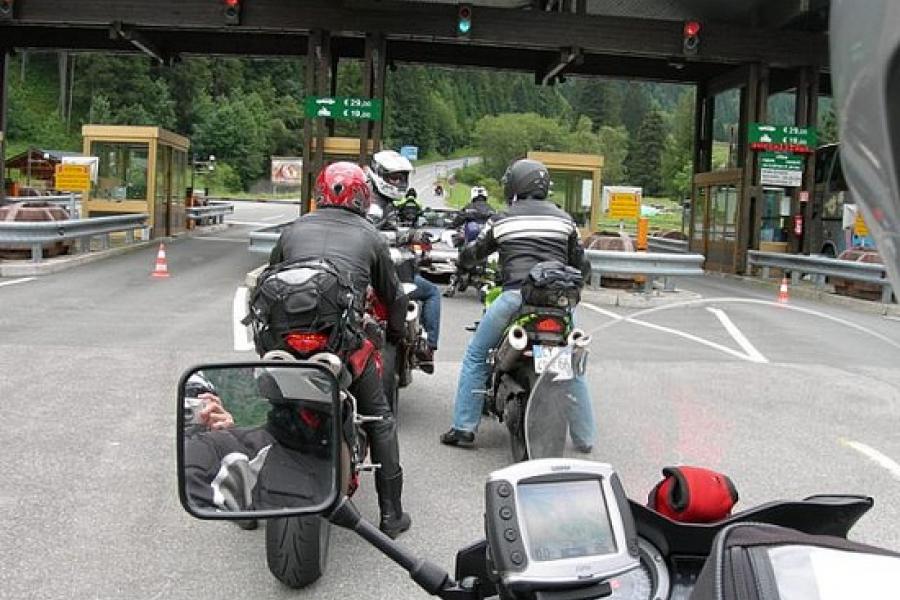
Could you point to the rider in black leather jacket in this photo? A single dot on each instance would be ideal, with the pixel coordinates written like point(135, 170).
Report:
point(339, 232)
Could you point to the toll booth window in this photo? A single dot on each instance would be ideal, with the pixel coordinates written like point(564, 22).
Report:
point(122, 172)
point(699, 210)
point(723, 217)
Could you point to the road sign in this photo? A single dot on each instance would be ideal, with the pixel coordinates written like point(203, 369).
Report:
point(344, 107)
point(859, 226)
point(624, 205)
point(287, 170)
point(73, 178)
point(783, 138)
point(781, 168)
point(409, 152)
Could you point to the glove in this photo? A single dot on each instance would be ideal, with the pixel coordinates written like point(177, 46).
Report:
point(693, 495)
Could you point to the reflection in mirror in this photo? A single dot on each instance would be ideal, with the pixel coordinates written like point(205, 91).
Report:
point(259, 438)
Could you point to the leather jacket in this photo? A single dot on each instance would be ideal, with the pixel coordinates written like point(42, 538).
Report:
point(354, 246)
point(528, 232)
point(476, 210)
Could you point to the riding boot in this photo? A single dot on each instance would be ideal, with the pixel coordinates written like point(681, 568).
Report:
point(393, 520)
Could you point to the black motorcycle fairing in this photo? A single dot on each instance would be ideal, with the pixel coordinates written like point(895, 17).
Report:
point(822, 515)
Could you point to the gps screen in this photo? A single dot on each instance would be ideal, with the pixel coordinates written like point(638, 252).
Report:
point(566, 519)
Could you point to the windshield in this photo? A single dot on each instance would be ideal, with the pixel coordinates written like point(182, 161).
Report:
point(787, 400)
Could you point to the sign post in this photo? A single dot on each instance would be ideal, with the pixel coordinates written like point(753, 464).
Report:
point(781, 169)
point(783, 138)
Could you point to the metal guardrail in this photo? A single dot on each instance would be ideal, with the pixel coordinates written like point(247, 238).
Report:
point(263, 241)
point(68, 201)
point(821, 267)
point(651, 264)
point(35, 234)
point(658, 244)
point(214, 211)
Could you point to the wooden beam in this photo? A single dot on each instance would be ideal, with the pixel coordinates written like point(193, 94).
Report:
point(4, 71)
point(497, 27)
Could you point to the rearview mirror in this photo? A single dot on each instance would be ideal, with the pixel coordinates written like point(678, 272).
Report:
point(258, 440)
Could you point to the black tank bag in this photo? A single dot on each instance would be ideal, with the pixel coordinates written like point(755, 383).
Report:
point(756, 561)
point(552, 283)
point(307, 296)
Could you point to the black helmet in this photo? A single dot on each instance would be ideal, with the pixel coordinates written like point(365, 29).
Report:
point(411, 193)
point(526, 179)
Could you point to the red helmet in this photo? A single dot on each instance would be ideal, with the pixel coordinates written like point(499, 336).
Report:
point(343, 184)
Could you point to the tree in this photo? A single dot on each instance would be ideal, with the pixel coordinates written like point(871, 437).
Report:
point(645, 154)
point(613, 146)
point(506, 137)
point(677, 161)
point(635, 107)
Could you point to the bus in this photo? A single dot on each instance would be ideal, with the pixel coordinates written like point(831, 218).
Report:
point(833, 215)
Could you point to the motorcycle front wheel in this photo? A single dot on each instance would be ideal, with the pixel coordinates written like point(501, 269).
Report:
point(297, 549)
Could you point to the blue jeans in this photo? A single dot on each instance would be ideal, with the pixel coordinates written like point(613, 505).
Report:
point(475, 371)
point(427, 293)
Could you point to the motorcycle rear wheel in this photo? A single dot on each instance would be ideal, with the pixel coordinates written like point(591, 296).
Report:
point(297, 549)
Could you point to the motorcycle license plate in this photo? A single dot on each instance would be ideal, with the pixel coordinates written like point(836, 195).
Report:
point(545, 357)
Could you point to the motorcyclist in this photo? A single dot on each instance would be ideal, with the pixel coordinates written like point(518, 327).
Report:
point(339, 232)
point(389, 177)
point(410, 210)
point(532, 230)
point(476, 211)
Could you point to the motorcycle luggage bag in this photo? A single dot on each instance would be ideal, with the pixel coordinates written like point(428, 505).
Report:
point(552, 283)
point(760, 561)
point(308, 296)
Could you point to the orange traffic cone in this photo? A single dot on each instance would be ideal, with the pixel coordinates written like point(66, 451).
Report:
point(162, 267)
point(783, 291)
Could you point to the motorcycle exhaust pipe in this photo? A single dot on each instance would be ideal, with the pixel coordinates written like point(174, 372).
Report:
point(278, 355)
point(579, 340)
point(511, 348)
point(329, 360)
point(412, 311)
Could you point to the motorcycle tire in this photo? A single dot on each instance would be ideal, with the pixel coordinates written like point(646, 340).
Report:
point(297, 549)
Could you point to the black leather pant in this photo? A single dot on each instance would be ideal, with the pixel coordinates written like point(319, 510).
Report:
point(371, 401)
point(389, 379)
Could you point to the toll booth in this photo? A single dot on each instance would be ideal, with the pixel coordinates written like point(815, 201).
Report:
point(141, 170)
point(576, 185)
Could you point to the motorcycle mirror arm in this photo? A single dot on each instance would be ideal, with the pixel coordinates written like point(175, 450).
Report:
point(429, 576)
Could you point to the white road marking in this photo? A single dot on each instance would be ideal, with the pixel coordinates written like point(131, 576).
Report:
point(15, 281)
point(669, 330)
point(250, 223)
point(875, 456)
point(276, 218)
point(221, 239)
point(242, 339)
point(739, 337)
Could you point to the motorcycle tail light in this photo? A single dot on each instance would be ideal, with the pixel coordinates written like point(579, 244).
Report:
point(306, 343)
point(549, 325)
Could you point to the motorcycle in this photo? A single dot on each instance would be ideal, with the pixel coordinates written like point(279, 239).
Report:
point(483, 273)
point(541, 337)
point(674, 391)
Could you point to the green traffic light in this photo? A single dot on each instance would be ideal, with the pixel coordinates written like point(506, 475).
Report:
point(464, 25)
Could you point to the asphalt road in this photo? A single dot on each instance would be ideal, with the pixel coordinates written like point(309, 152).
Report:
point(791, 404)
point(424, 177)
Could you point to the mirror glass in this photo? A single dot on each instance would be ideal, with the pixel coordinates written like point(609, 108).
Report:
point(258, 438)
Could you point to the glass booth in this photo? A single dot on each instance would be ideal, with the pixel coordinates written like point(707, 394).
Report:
point(141, 170)
point(576, 185)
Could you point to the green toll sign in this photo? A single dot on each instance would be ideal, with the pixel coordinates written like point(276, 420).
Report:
point(346, 108)
point(782, 138)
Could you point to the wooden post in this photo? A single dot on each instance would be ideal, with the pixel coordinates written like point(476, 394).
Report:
point(379, 71)
point(754, 101)
point(365, 127)
point(309, 123)
point(4, 62)
point(323, 68)
point(808, 117)
point(333, 81)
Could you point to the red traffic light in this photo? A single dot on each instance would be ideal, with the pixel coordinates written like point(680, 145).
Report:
point(691, 28)
point(465, 11)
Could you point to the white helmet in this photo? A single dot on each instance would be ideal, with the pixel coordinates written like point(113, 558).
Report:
point(389, 174)
point(478, 191)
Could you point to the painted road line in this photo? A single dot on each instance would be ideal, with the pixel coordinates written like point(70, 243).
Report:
point(15, 281)
point(739, 337)
point(250, 223)
point(222, 239)
point(276, 218)
point(242, 339)
point(875, 456)
point(671, 331)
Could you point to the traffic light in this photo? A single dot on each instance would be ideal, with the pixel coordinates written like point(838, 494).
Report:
point(691, 43)
point(464, 19)
point(232, 12)
point(6, 10)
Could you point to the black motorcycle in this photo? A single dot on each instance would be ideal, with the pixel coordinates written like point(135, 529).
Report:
point(541, 337)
